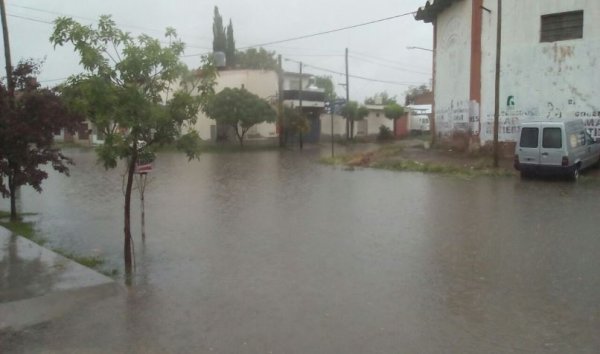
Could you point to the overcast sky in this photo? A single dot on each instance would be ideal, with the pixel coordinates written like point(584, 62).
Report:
point(377, 51)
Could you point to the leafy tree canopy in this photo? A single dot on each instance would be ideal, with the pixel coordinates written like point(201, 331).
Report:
point(393, 111)
point(134, 90)
point(260, 59)
point(353, 111)
point(326, 83)
point(240, 110)
point(27, 130)
point(415, 92)
point(219, 36)
point(382, 98)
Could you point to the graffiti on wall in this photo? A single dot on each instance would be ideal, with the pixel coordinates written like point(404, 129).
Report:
point(459, 116)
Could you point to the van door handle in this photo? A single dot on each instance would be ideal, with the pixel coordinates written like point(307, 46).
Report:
point(544, 154)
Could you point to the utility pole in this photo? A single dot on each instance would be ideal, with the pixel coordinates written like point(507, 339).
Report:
point(9, 68)
point(300, 104)
point(349, 124)
point(497, 83)
point(280, 101)
point(332, 107)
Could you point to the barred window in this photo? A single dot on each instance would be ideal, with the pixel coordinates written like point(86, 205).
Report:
point(562, 26)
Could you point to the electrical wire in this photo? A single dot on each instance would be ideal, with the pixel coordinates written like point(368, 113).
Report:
point(389, 66)
point(329, 31)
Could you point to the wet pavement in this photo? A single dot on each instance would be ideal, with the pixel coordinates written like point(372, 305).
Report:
point(39, 285)
point(271, 252)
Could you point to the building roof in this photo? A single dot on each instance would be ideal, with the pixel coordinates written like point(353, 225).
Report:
point(432, 9)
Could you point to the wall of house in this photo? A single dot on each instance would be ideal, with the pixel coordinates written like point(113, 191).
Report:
point(260, 82)
point(452, 74)
point(539, 81)
point(373, 121)
point(550, 81)
point(339, 125)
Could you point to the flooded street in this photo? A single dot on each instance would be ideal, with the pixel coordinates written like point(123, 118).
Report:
point(271, 252)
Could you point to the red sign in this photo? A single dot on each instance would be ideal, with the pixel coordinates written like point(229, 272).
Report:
point(144, 168)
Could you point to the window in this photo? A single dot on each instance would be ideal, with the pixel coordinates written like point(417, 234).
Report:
point(562, 26)
point(552, 138)
point(529, 138)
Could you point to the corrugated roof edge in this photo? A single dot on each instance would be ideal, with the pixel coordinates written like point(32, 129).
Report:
point(432, 9)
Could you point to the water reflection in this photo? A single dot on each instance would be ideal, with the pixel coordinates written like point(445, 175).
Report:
point(271, 251)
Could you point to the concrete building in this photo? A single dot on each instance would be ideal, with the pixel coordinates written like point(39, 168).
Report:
point(263, 83)
point(549, 65)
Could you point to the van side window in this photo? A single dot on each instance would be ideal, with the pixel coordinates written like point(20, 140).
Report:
point(529, 138)
point(552, 138)
point(577, 139)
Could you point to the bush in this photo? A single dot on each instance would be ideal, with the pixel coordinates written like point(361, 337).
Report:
point(385, 133)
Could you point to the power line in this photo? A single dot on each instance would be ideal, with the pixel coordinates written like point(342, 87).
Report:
point(360, 77)
point(31, 19)
point(329, 31)
point(390, 66)
point(376, 58)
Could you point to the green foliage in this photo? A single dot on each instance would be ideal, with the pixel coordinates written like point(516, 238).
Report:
point(135, 91)
point(295, 121)
point(393, 111)
point(385, 133)
point(260, 59)
point(230, 46)
point(326, 83)
point(28, 121)
point(353, 111)
point(382, 98)
point(413, 92)
point(219, 36)
point(240, 110)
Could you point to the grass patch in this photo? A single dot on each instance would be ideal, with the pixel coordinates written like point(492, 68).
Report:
point(425, 167)
point(22, 228)
point(27, 230)
point(88, 261)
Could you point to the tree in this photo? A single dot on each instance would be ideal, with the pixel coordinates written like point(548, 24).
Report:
point(325, 83)
point(230, 46)
point(352, 111)
point(382, 98)
point(240, 110)
point(27, 133)
point(136, 92)
point(414, 92)
point(393, 111)
point(296, 122)
point(260, 59)
point(219, 37)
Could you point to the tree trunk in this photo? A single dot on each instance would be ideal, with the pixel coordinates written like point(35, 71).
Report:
point(127, 229)
point(300, 140)
point(142, 186)
point(394, 122)
point(13, 197)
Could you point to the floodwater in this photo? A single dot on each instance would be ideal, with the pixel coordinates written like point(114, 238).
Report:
point(271, 252)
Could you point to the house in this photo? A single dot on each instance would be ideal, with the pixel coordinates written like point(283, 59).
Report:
point(299, 90)
point(263, 83)
point(549, 65)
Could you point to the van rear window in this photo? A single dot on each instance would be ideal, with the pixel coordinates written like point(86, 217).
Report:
point(552, 138)
point(529, 138)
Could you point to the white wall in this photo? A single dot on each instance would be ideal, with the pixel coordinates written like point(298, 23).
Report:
point(339, 125)
point(453, 61)
point(549, 81)
point(260, 82)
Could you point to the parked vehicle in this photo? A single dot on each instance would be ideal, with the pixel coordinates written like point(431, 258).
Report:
point(419, 123)
point(555, 147)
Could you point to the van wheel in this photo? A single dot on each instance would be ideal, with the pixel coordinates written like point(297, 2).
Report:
point(575, 173)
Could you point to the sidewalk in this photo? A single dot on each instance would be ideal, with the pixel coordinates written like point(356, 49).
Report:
point(37, 285)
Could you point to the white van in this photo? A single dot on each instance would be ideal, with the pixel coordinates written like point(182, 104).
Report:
point(555, 147)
